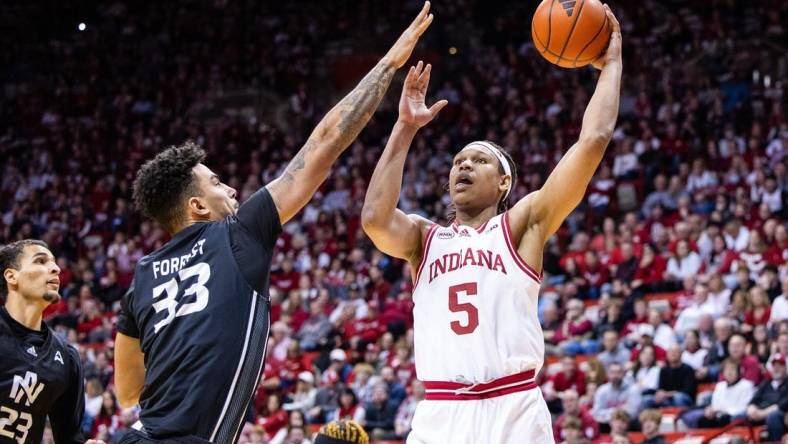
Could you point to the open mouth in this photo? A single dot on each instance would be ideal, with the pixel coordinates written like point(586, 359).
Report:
point(463, 182)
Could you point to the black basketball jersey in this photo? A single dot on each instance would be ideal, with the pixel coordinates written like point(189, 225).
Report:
point(202, 318)
point(40, 377)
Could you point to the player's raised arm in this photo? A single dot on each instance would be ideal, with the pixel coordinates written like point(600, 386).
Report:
point(392, 231)
point(545, 209)
point(311, 165)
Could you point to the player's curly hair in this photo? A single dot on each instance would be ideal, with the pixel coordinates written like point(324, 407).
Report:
point(503, 204)
point(342, 432)
point(9, 258)
point(165, 182)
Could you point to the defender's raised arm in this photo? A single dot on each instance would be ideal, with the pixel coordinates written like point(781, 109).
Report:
point(311, 165)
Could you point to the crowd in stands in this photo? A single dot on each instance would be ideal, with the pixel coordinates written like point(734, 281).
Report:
point(672, 275)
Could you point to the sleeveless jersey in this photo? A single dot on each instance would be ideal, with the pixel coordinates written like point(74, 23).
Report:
point(475, 315)
point(203, 330)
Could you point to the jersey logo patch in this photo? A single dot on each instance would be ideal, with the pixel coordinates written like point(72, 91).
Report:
point(59, 357)
point(465, 233)
point(32, 351)
point(445, 235)
point(26, 387)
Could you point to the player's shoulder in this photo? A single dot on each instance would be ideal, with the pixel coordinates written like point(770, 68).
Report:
point(62, 349)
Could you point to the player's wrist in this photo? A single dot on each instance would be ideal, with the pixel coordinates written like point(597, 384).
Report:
point(407, 125)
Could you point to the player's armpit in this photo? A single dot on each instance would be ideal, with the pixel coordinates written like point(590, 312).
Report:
point(399, 235)
point(129, 370)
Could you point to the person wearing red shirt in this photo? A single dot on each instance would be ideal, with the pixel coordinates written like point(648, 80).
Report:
point(571, 407)
point(272, 417)
point(759, 311)
point(650, 269)
point(594, 275)
point(646, 332)
point(749, 366)
point(573, 334)
point(286, 278)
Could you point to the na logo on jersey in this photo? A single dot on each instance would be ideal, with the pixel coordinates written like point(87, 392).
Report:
point(445, 235)
point(59, 357)
point(32, 351)
point(569, 6)
point(26, 387)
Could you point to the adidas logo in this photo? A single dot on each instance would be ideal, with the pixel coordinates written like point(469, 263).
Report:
point(569, 6)
point(32, 351)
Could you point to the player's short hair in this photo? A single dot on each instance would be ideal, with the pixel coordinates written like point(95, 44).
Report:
point(342, 432)
point(164, 182)
point(9, 258)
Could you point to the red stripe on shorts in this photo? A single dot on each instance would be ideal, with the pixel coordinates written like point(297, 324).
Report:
point(456, 391)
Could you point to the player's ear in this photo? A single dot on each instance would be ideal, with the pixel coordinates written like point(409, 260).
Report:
point(504, 183)
point(198, 207)
point(10, 276)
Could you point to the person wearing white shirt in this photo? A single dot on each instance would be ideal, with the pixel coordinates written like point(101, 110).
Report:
point(728, 402)
point(684, 263)
point(718, 293)
point(693, 354)
point(689, 318)
point(780, 304)
point(736, 236)
point(663, 334)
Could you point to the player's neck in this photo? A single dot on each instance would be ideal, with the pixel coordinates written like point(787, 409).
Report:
point(473, 217)
point(24, 312)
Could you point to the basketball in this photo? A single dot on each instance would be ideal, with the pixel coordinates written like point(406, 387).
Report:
point(570, 33)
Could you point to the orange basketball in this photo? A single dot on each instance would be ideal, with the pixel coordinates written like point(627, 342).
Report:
point(570, 33)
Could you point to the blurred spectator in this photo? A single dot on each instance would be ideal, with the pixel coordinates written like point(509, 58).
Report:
point(303, 398)
point(728, 402)
point(613, 351)
point(737, 352)
point(295, 420)
point(404, 418)
point(770, 402)
point(573, 336)
point(650, 421)
point(349, 408)
point(614, 394)
point(380, 413)
point(571, 409)
point(569, 377)
point(677, 386)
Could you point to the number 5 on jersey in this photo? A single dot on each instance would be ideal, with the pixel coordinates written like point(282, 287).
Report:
point(469, 289)
point(170, 289)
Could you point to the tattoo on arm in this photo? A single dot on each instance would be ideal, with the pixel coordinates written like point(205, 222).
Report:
point(357, 107)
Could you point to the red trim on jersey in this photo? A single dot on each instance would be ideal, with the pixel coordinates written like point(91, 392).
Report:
point(454, 227)
point(507, 234)
point(430, 233)
point(455, 391)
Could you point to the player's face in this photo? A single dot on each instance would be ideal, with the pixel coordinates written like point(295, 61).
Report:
point(475, 179)
point(37, 276)
point(218, 199)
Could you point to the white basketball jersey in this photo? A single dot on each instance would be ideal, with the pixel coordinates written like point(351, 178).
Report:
point(475, 315)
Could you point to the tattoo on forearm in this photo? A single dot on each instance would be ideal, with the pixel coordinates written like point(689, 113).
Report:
point(357, 108)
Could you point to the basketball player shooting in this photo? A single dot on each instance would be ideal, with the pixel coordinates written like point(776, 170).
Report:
point(478, 341)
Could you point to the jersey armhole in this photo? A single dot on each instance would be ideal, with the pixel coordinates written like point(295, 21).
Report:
point(425, 253)
point(507, 234)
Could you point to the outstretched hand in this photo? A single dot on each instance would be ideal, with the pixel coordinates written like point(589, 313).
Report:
point(412, 107)
point(403, 47)
point(613, 52)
